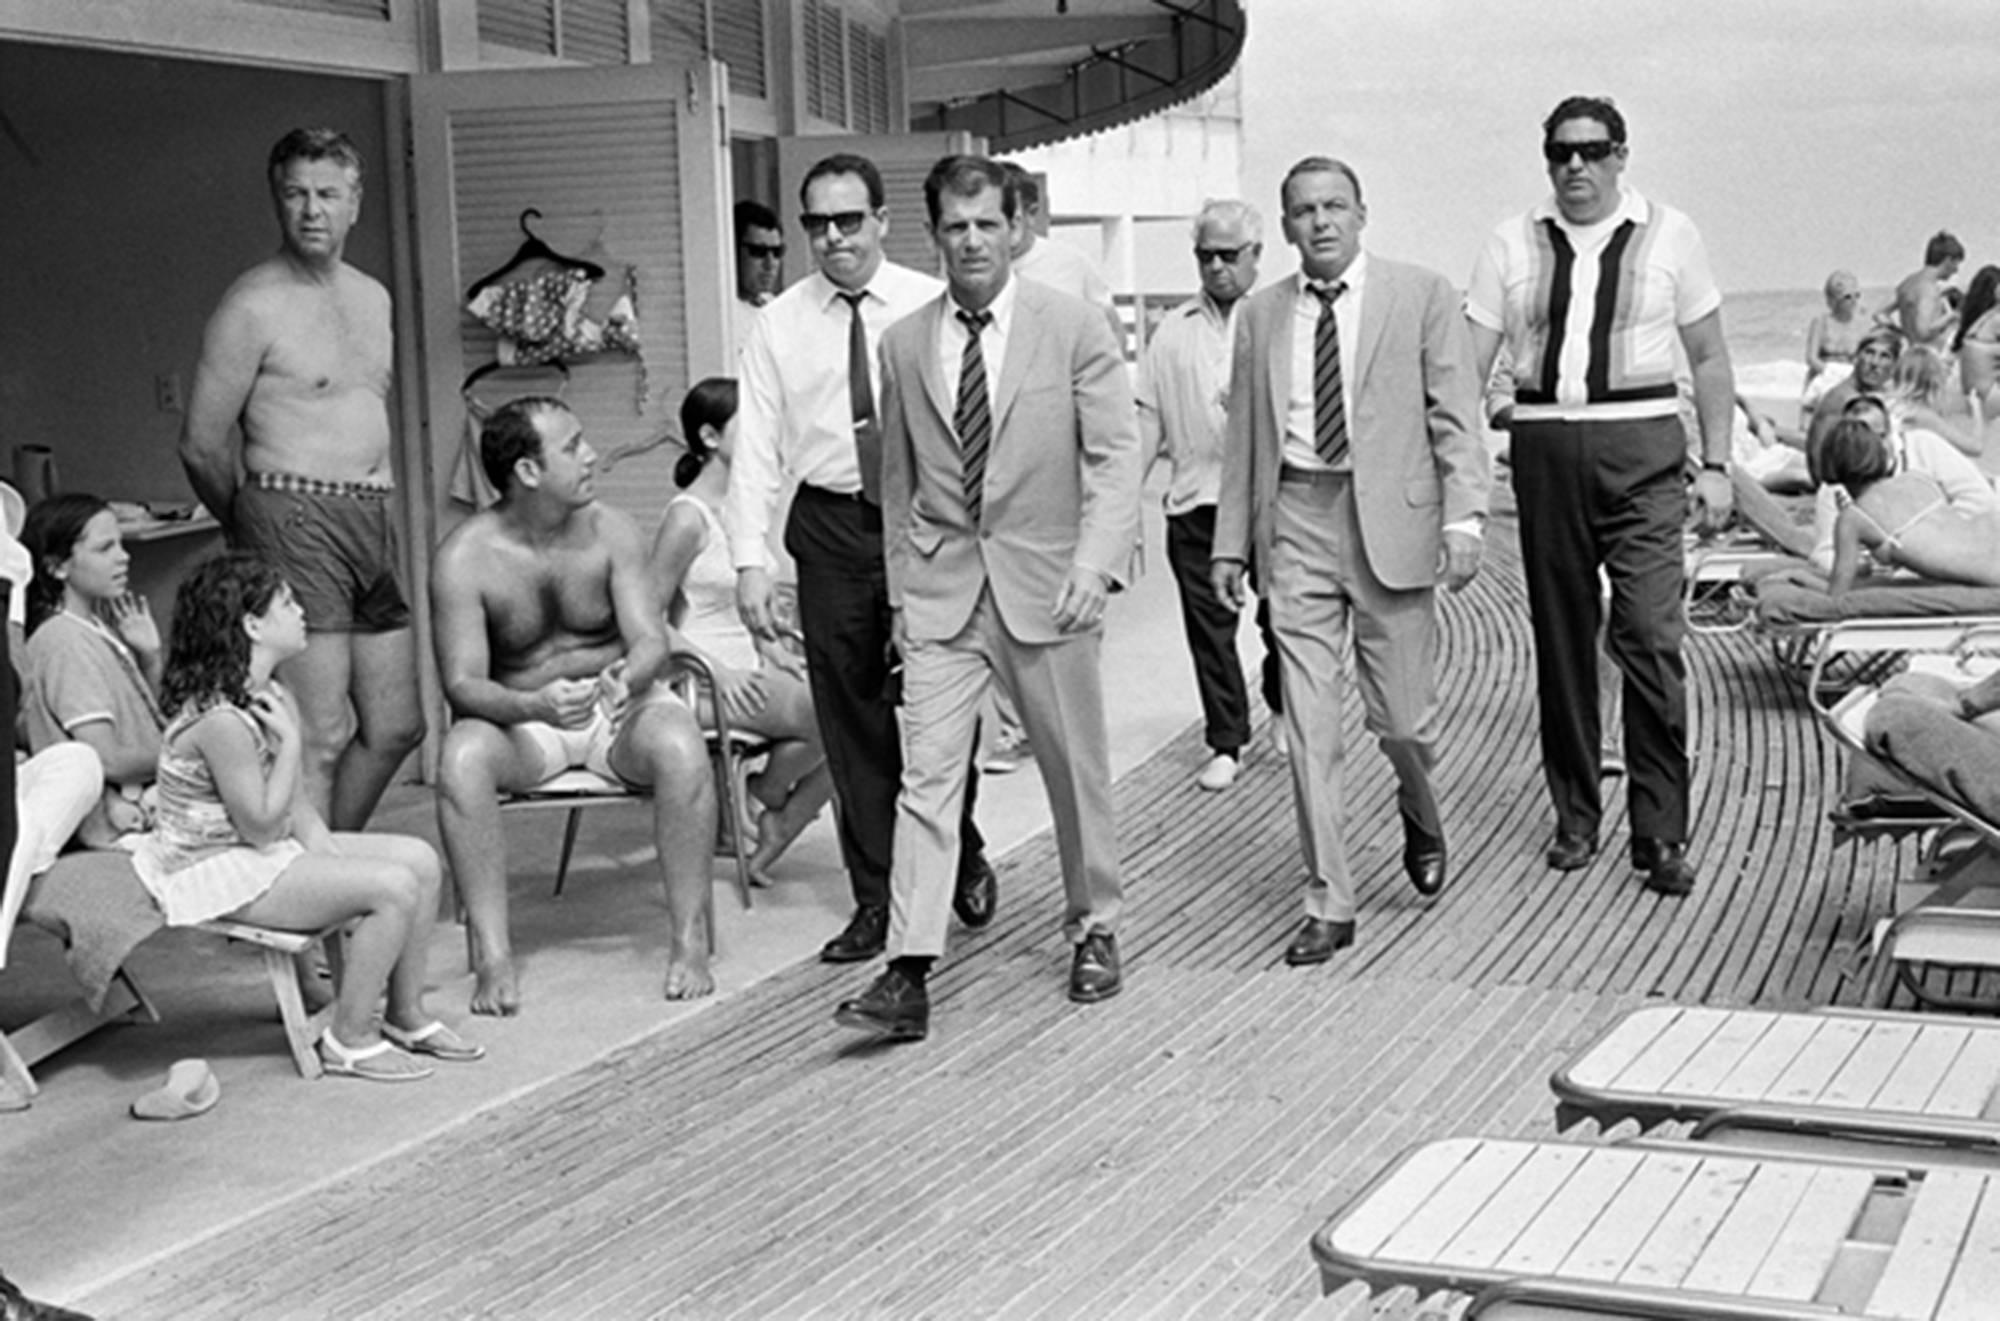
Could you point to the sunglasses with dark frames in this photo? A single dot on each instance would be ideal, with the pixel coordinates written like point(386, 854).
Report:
point(847, 222)
point(1227, 256)
point(764, 251)
point(1558, 153)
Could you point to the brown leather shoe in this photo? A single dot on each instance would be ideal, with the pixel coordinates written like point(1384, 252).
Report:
point(1317, 940)
point(1423, 860)
point(1666, 865)
point(866, 934)
point(894, 1007)
point(977, 896)
point(1571, 852)
point(1093, 972)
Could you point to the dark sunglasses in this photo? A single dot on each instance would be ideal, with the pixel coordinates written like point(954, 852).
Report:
point(847, 222)
point(764, 251)
point(1227, 256)
point(1557, 153)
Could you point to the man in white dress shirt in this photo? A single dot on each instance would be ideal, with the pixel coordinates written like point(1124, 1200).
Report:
point(808, 410)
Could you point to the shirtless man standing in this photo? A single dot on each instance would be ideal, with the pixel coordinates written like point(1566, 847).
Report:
point(298, 357)
point(549, 642)
point(1920, 310)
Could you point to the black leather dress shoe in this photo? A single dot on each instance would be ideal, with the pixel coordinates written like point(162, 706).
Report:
point(1423, 861)
point(1667, 868)
point(977, 896)
point(1317, 940)
point(894, 1007)
point(867, 932)
point(1093, 971)
point(1569, 852)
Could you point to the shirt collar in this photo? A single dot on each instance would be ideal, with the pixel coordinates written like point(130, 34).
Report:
point(1631, 206)
point(1355, 277)
point(1001, 308)
point(829, 296)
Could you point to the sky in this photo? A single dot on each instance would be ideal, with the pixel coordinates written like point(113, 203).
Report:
point(1801, 135)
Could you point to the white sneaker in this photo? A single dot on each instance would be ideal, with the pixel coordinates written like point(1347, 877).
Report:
point(1010, 747)
point(1220, 773)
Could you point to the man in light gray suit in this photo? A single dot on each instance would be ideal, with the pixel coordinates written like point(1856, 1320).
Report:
point(1354, 469)
point(1010, 501)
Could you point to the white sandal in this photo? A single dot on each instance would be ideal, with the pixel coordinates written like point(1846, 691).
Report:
point(435, 1040)
point(381, 1062)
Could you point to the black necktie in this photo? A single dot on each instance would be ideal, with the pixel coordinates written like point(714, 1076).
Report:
point(973, 419)
point(1329, 410)
point(861, 401)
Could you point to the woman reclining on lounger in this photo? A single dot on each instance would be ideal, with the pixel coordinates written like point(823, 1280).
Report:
point(236, 837)
point(1901, 518)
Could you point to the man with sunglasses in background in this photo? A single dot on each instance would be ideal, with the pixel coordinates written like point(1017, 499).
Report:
point(1590, 291)
point(808, 408)
point(1183, 396)
point(760, 267)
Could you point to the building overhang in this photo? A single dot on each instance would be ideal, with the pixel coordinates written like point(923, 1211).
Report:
point(1026, 73)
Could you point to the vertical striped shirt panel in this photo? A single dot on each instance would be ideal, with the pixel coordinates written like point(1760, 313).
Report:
point(1592, 314)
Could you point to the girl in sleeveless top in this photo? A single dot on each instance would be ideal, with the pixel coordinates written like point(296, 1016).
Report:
point(236, 837)
point(759, 693)
point(1901, 518)
point(92, 660)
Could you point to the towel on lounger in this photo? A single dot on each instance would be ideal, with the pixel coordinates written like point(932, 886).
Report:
point(93, 902)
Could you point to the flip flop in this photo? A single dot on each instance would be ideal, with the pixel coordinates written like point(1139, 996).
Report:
point(435, 1040)
point(381, 1062)
point(191, 1089)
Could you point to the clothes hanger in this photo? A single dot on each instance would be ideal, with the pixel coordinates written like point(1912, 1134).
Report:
point(532, 248)
point(478, 374)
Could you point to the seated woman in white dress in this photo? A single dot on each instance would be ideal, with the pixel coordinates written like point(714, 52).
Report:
point(759, 692)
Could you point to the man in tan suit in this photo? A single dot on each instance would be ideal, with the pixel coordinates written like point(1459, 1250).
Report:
point(1010, 500)
point(1353, 467)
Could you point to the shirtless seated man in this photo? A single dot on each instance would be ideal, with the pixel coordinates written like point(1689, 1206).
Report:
point(551, 648)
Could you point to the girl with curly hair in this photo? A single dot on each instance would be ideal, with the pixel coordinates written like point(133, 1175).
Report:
point(236, 837)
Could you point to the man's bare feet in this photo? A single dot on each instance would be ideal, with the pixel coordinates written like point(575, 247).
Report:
point(775, 832)
point(688, 977)
point(496, 990)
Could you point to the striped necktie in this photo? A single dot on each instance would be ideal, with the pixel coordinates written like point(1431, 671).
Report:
point(973, 419)
point(861, 401)
point(1329, 410)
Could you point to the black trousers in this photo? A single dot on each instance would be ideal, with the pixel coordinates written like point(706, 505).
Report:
point(844, 615)
point(1612, 494)
point(1210, 624)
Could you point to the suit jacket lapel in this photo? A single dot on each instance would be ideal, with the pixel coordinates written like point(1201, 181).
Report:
point(1020, 347)
point(1283, 317)
point(1376, 308)
point(929, 367)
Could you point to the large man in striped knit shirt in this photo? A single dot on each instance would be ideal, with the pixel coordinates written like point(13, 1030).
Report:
point(1591, 290)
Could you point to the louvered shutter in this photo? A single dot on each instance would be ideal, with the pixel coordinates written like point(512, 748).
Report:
point(904, 159)
point(596, 31)
point(626, 168)
point(740, 43)
point(728, 30)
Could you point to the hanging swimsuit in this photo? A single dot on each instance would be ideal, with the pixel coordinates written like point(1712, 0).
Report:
point(540, 319)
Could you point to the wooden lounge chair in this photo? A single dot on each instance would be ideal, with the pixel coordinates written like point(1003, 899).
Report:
point(1671, 1229)
point(1827, 1080)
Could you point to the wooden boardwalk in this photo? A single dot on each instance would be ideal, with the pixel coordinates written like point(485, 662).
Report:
point(1166, 1154)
